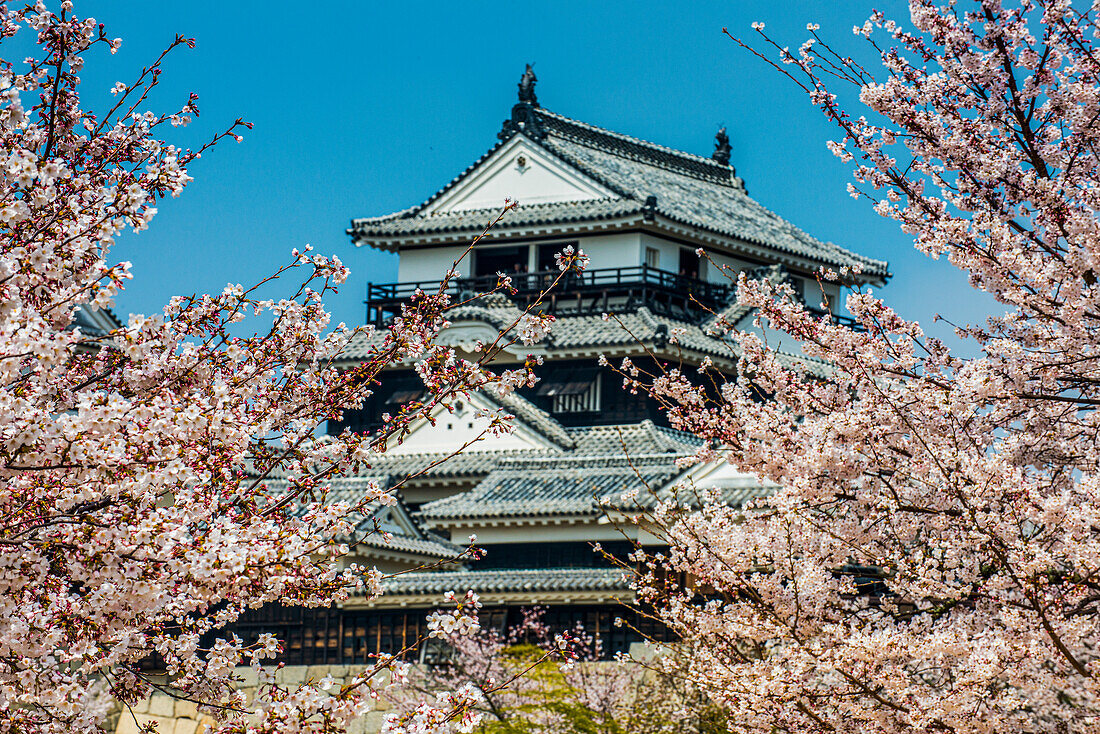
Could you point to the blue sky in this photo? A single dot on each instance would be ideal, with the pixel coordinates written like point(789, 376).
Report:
point(363, 108)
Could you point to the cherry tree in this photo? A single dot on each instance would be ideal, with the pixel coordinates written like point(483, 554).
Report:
point(136, 515)
point(932, 562)
point(530, 679)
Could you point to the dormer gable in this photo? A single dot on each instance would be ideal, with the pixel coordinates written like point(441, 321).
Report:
point(522, 171)
point(449, 431)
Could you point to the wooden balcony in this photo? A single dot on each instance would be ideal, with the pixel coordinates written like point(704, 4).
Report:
point(593, 291)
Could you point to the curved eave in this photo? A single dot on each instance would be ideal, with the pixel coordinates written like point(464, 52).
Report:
point(875, 272)
point(504, 517)
point(462, 234)
point(398, 555)
point(432, 600)
point(764, 252)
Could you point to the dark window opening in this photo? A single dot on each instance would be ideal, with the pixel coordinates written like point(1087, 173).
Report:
point(394, 390)
point(604, 404)
point(553, 555)
point(357, 636)
point(689, 263)
point(400, 397)
point(507, 260)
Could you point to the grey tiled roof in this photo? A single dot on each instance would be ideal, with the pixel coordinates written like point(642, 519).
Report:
point(475, 220)
point(699, 200)
point(635, 439)
point(591, 332)
point(637, 325)
point(564, 485)
point(464, 464)
point(372, 527)
point(588, 330)
point(94, 322)
point(508, 580)
point(689, 189)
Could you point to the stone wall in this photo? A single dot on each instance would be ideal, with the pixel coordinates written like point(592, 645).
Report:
point(181, 717)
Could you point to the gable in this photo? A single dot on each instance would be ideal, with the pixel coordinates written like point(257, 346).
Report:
point(394, 519)
point(737, 487)
point(523, 172)
point(453, 430)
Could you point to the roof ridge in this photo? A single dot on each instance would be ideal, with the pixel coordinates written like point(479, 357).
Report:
point(520, 204)
point(648, 318)
point(721, 171)
point(659, 438)
point(563, 461)
point(534, 416)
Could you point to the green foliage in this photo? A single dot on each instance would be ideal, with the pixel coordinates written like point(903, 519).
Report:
point(595, 698)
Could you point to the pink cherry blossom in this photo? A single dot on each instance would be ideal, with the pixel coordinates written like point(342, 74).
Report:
point(138, 508)
point(932, 561)
point(528, 678)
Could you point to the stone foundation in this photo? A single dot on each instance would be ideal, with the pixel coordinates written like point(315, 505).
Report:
point(173, 716)
point(181, 717)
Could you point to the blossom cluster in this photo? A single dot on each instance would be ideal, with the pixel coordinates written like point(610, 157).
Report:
point(931, 561)
point(533, 679)
point(461, 621)
point(159, 478)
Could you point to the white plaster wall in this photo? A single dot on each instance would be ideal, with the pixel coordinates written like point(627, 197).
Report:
point(538, 180)
point(815, 294)
point(716, 274)
point(454, 430)
point(430, 263)
point(670, 252)
point(619, 250)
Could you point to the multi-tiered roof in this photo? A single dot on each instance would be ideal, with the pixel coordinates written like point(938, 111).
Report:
point(646, 185)
point(559, 479)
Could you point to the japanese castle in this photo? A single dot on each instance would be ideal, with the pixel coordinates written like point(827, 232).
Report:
point(639, 211)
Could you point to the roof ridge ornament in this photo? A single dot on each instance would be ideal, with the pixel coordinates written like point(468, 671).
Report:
point(524, 115)
point(527, 86)
point(722, 147)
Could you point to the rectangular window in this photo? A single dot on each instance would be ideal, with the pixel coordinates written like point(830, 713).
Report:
point(689, 263)
point(652, 257)
point(572, 391)
point(579, 396)
point(489, 261)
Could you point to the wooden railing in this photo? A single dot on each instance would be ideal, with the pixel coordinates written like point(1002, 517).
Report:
point(591, 290)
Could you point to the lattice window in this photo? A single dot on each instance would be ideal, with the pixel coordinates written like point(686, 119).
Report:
point(581, 399)
point(356, 636)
